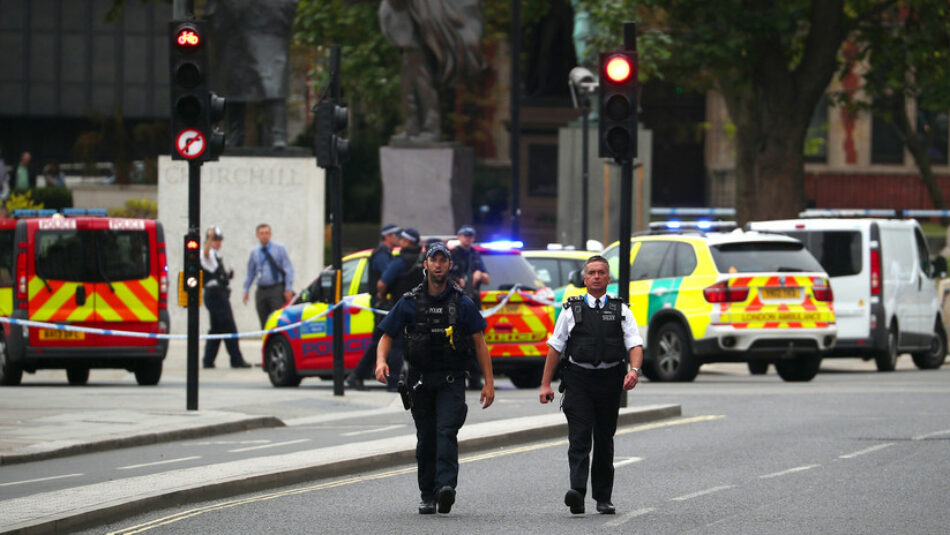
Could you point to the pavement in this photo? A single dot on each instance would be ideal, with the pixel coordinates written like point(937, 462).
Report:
point(46, 418)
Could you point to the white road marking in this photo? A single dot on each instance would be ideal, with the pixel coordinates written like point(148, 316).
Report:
point(226, 442)
point(274, 445)
point(156, 463)
point(865, 450)
point(626, 461)
point(377, 430)
point(37, 480)
point(790, 471)
point(934, 434)
point(701, 493)
point(629, 516)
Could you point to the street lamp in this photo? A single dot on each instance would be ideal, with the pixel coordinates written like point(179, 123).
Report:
point(583, 84)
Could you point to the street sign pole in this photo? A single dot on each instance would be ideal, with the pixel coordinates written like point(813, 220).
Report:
point(194, 224)
point(336, 203)
point(626, 201)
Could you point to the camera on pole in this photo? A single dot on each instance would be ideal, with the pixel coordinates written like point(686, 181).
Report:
point(330, 147)
point(618, 105)
point(195, 111)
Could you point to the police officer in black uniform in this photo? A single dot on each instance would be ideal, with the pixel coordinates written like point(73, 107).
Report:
point(442, 330)
point(597, 337)
point(379, 260)
point(218, 300)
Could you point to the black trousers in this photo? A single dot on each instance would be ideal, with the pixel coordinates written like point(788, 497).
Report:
point(218, 302)
point(439, 412)
point(366, 367)
point(591, 404)
point(268, 299)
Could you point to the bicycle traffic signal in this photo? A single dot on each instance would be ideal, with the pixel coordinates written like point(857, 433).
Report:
point(331, 149)
point(190, 281)
point(195, 111)
point(618, 105)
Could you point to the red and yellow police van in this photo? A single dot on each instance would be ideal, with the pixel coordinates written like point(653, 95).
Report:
point(81, 268)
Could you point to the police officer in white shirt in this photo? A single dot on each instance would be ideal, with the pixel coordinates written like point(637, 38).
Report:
point(218, 301)
point(599, 339)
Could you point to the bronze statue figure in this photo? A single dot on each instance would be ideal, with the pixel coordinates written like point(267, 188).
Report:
point(440, 42)
point(251, 41)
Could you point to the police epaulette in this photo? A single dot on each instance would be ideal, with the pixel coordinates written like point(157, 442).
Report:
point(572, 299)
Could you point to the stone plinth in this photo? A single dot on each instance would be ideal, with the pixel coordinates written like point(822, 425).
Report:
point(429, 189)
point(238, 193)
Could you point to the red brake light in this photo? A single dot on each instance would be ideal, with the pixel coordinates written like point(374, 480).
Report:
point(21, 282)
point(875, 272)
point(162, 277)
point(822, 291)
point(721, 292)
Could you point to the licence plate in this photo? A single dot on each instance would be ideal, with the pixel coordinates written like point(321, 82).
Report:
point(779, 293)
point(53, 334)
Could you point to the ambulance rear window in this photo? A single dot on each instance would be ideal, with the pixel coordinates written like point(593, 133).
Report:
point(758, 257)
point(92, 256)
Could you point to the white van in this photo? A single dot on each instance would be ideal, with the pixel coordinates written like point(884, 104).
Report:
point(884, 284)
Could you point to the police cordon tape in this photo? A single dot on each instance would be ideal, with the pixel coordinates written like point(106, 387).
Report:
point(250, 334)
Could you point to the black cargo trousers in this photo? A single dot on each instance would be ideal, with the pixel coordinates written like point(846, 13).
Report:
point(439, 410)
point(591, 404)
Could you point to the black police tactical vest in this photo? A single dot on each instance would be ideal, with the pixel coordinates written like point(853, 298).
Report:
point(373, 274)
point(412, 274)
point(218, 274)
point(597, 335)
point(426, 345)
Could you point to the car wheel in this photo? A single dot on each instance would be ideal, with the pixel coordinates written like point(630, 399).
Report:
point(148, 373)
point(799, 369)
point(10, 374)
point(758, 367)
point(887, 361)
point(527, 377)
point(77, 375)
point(671, 355)
point(280, 363)
point(934, 357)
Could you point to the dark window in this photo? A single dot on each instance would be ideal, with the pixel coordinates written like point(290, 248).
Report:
point(816, 138)
point(548, 271)
point(923, 253)
point(649, 259)
point(6, 257)
point(508, 269)
point(349, 269)
point(567, 267)
point(751, 257)
point(933, 125)
point(542, 170)
point(838, 251)
point(886, 144)
point(685, 260)
point(92, 256)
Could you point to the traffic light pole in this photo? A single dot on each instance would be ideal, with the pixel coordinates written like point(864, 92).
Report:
point(336, 205)
point(626, 201)
point(194, 224)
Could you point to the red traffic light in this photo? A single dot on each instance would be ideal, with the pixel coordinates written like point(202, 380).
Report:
point(191, 244)
point(618, 69)
point(187, 38)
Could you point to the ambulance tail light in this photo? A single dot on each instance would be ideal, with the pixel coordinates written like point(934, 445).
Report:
point(162, 277)
point(875, 272)
point(822, 291)
point(721, 292)
point(21, 282)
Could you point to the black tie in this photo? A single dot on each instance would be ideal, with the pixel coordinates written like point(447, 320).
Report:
point(597, 304)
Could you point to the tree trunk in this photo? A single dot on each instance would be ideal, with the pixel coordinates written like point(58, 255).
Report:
point(917, 146)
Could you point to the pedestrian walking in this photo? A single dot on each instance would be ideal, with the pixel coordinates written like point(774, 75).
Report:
point(270, 265)
point(594, 339)
point(379, 260)
point(442, 330)
point(22, 180)
point(469, 272)
point(218, 301)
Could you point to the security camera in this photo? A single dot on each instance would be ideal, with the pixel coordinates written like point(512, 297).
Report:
point(582, 83)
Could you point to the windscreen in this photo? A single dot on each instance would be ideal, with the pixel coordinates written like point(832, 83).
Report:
point(838, 251)
point(752, 257)
point(506, 270)
point(92, 255)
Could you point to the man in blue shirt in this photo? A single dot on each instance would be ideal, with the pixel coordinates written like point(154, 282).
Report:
point(271, 266)
point(442, 330)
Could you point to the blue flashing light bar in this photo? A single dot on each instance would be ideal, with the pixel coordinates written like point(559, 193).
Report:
point(693, 212)
point(502, 245)
point(704, 224)
point(674, 224)
point(848, 212)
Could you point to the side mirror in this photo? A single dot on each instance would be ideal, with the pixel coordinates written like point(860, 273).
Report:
point(938, 267)
point(577, 278)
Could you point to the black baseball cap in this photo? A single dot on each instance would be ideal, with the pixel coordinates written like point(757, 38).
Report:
point(410, 234)
point(437, 247)
point(466, 230)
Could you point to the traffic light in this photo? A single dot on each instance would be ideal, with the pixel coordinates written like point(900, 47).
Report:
point(618, 105)
point(190, 281)
point(331, 149)
point(194, 109)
